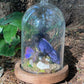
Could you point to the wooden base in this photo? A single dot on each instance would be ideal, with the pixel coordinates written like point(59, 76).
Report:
point(40, 78)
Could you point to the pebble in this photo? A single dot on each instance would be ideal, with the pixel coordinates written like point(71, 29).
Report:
point(54, 66)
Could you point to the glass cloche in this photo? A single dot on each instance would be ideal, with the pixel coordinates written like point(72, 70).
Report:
point(42, 42)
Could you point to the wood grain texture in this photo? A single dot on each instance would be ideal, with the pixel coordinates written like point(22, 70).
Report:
point(40, 78)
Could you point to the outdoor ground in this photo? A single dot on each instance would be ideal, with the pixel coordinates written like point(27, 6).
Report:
point(74, 57)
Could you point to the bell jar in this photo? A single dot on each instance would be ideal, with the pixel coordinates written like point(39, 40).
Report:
point(42, 40)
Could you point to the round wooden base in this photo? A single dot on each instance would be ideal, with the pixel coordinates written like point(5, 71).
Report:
point(40, 78)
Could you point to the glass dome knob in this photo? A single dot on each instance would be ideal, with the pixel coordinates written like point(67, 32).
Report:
point(43, 2)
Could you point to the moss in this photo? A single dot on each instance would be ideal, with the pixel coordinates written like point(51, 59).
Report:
point(30, 66)
point(42, 71)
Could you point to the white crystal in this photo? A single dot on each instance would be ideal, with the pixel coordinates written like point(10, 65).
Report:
point(31, 62)
point(47, 59)
point(40, 58)
point(41, 65)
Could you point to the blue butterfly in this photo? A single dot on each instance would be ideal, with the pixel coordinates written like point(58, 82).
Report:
point(28, 52)
point(45, 47)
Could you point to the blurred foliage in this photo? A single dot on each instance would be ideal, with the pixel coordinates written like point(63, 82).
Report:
point(29, 31)
point(9, 39)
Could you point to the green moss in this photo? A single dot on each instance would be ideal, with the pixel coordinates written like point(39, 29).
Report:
point(30, 65)
point(42, 71)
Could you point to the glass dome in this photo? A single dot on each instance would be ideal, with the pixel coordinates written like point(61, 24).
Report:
point(42, 42)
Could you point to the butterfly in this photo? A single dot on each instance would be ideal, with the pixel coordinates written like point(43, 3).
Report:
point(45, 47)
point(28, 52)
